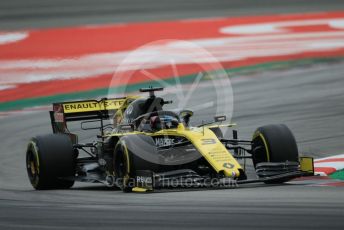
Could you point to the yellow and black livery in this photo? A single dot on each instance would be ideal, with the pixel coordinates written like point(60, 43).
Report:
point(142, 147)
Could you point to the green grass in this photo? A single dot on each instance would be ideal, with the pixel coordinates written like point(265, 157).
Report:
point(339, 175)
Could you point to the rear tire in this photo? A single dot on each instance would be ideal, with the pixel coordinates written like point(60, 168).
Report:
point(48, 159)
point(274, 143)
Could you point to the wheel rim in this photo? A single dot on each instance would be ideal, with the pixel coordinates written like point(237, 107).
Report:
point(32, 166)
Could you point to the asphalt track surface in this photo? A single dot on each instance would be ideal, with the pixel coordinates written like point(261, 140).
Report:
point(309, 100)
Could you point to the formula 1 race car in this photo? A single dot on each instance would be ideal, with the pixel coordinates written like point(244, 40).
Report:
point(146, 147)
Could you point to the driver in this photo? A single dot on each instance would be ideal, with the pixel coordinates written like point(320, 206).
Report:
point(163, 122)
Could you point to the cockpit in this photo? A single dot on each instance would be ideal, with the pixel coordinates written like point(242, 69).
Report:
point(148, 114)
point(156, 121)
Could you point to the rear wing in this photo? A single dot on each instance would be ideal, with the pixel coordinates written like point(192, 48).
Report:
point(64, 112)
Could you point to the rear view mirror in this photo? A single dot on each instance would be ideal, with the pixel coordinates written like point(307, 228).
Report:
point(185, 115)
point(220, 118)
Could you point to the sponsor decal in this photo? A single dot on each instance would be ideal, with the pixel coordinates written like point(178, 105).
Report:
point(144, 180)
point(89, 106)
point(208, 141)
point(228, 165)
point(59, 117)
point(165, 141)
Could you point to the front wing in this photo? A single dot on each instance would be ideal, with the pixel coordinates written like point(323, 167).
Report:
point(149, 181)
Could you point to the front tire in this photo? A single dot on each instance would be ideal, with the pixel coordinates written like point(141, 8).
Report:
point(50, 158)
point(274, 143)
point(123, 168)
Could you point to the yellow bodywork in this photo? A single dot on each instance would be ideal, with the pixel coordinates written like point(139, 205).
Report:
point(306, 164)
point(139, 189)
point(206, 142)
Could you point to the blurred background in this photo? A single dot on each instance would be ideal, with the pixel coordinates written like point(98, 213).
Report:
point(15, 14)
